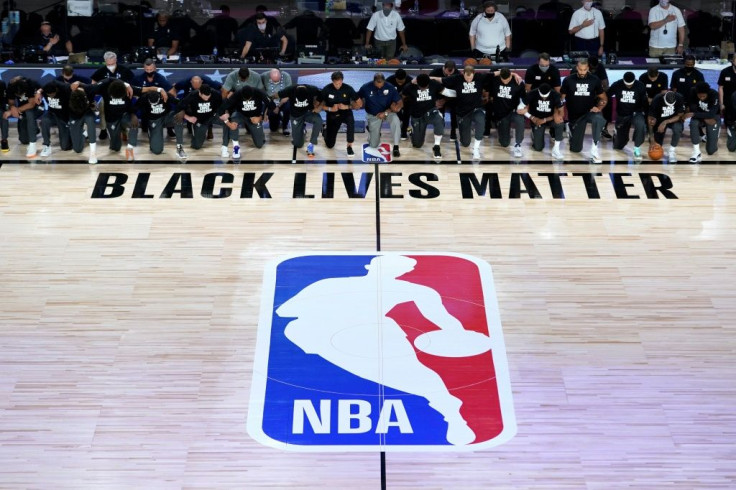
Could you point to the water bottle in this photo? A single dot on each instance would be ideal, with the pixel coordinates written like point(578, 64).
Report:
point(163, 57)
point(214, 53)
point(462, 8)
point(603, 59)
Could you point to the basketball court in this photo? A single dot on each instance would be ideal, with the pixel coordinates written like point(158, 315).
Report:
point(134, 298)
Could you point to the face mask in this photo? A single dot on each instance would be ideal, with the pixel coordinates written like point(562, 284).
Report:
point(261, 27)
point(588, 5)
point(688, 70)
point(543, 69)
point(490, 16)
point(664, 3)
point(386, 12)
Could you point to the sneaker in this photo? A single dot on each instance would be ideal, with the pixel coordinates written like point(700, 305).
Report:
point(209, 134)
point(606, 134)
point(404, 136)
point(453, 135)
point(557, 155)
point(517, 151)
point(46, 151)
point(129, 154)
point(672, 156)
point(696, 158)
point(396, 151)
point(180, 153)
point(703, 139)
point(4, 146)
point(286, 132)
point(224, 153)
point(31, 153)
point(594, 156)
point(436, 152)
point(236, 152)
point(476, 153)
point(637, 154)
point(350, 151)
point(92, 158)
point(103, 134)
point(310, 150)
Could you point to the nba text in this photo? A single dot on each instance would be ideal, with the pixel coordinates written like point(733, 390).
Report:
point(392, 185)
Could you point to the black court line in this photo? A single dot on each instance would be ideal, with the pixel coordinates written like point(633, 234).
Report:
point(377, 186)
point(465, 163)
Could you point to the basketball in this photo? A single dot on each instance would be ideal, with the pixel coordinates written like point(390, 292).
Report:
point(394, 61)
point(470, 61)
point(656, 152)
point(485, 61)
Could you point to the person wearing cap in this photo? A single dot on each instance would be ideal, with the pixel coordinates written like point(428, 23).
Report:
point(384, 25)
point(381, 101)
point(666, 112)
point(306, 104)
point(587, 26)
point(666, 30)
point(585, 99)
point(469, 87)
point(632, 105)
point(490, 32)
point(237, 79)
point(703, 112)
point(399, 80)
point(544, 110)
point(52, 42)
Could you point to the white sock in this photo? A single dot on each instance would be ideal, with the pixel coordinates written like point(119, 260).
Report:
point(93, 147)
point(696, 148)
point(594, 146)
point(556, 145)
point(235, 143)
point(130, 147)
point(476, 144)
point(437, 140)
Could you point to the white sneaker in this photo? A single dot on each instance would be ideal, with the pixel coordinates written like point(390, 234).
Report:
point(31, 153)
point(92, 158)
point(594, 155)
point(46, 151)
point(697, 157)
point(557, 154)
point(672, 156)
point(224, 153)
point(517, 152)
point(476, 154)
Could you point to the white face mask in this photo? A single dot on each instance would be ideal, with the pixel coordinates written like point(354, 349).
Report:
point(664, 3)
point(261, 27)
point(588, 5)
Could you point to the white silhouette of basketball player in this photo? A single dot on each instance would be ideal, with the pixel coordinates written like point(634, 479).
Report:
point(344, 321)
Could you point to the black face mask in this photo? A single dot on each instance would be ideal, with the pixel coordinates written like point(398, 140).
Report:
point(688, 70)
point(490, 16)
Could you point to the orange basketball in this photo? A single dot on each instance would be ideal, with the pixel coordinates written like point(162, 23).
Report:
point(470, 61)
point(394, 61)
point(655, 151)
point(485, 61)
point(382, 61)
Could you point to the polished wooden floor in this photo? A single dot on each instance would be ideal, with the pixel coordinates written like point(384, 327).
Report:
point(128, 325)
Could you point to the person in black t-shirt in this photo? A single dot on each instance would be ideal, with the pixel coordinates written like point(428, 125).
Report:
point(4, 126)
point(199, 108)
point(399, 80)
point(585, 98)
point(164, 35)
point(469, 87)
point(82, 115)
point(731, 130)
point(542, 72)
point(449, 69)
point(57, 97)
point(24, 99)
point(544, 110)
point(655, 82)
point(666, 111)
point(421, 99)
point(157, 109)
point(338, 101)
point(305, 102)
point(110, 70)
point(632, 105)
point(703, 111)
point(260, 36)
point(53, 42)
point(246, 107)
point(117, 97)
point(686, 78)
point(506, 95)
point(68, 76)
point(726, 88)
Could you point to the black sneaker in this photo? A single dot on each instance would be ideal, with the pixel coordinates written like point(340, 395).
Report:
point(286, 132)
point(404, 136)
point(350, 151)
point(4, 146)
point(103, 135)
point(436, 152)
point(453, 135)
point(606, 134)
point(396, 151)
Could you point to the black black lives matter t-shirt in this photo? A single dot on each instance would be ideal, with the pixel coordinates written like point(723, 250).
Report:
point(469, 95)
point(629, 99)
point(654, 87)
point(154, 110)
point(115, 107)
point(59, 102)
point(535, 76)
point(420, 101)
point(203, 110)
point(581, 94)
point(300, 107)
point(661, 111)
point(254, 106)
point(704, 109)
point(332, 96)
point(543, 107)
point(505, 97)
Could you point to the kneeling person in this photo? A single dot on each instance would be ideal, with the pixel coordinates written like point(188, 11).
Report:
point(703, 109)
point(200, 109)
point(631, 108)
point(544, 110)
point(338, 100)
point(667, 111)
point(156, 109)
point(421, 99)
point(306, 103)
point(246, 107)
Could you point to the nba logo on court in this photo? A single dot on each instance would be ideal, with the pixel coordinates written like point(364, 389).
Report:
point(380, 352)
point(382, 154)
